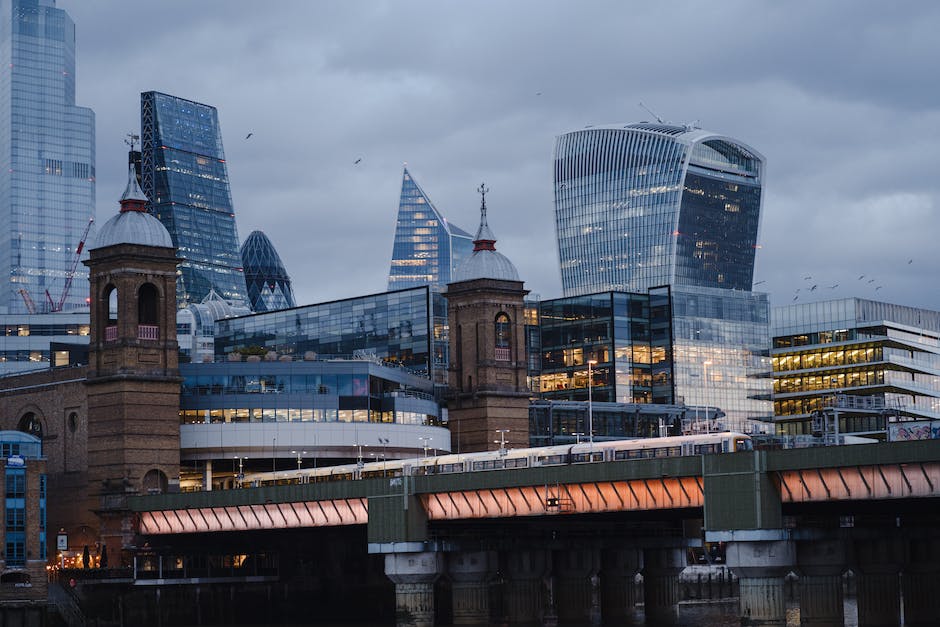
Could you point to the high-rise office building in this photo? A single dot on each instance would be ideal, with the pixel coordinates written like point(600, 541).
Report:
point(47, 160)
point(427, 247)
point(856, 367)
point(184, 176)
point(268, 283)
point(644, 205)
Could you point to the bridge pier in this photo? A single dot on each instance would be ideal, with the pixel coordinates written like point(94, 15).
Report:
point(761, 567)
point(576, 593)
point(921, 601)
point(469, 573)
point(524, 598)
point(414, 575)
point(618, 584)
point(820, 564)
point(661, 568)
point(877, 564)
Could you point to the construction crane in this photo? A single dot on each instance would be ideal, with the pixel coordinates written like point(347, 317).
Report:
point(57, 306)
point(30, 305)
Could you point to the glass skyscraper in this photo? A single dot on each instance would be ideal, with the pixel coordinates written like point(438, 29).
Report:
point(427, 247)
point(184, 176)
point(47, 159)
point(645, 205)
point(269, 286)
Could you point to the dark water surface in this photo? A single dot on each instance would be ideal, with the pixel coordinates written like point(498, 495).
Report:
point(690, 615)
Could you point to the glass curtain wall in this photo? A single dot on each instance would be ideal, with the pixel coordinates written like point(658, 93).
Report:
point(427, 248)
point(185, 178)
point(647, 205)
point(47, 161)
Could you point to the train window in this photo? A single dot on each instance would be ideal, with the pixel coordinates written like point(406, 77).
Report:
point(705, 449)
point(551, 460)
point(519, 462)
point(581, 458)
point(490, 464)
point(742, 444)
point(444, 468)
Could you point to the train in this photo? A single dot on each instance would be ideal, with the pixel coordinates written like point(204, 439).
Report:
point(567, 454)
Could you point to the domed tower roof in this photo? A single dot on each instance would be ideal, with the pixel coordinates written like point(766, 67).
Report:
point(485, 262)
point(133, 225)
point(269, 286)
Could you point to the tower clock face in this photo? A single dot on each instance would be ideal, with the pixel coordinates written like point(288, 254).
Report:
point(31, 424)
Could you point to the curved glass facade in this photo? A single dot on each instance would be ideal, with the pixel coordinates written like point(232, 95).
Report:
point(183, 174)
point(647, 205)
point(268, 284)
point(47, 159)
point(427, 247)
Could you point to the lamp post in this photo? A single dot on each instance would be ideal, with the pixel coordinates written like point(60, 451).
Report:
point(359, 461)
point(424, 443)
point(384, 443)
point(502, 440)
point(298, 454)
point(591, 362)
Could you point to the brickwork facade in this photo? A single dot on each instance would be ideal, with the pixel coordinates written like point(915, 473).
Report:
point(487, 378)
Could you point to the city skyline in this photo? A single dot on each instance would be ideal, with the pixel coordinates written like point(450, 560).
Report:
point(846, 122)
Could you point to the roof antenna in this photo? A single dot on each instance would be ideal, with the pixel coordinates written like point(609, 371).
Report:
point(132, 140)
point(648, 110)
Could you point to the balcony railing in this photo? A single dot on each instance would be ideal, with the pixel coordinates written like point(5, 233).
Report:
point(148, 332)
point(110, 334)
point(502, 354)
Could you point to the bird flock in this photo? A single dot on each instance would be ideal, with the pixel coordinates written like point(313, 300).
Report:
point(813, 286)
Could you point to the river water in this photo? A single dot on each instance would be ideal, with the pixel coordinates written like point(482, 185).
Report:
point(690, 615)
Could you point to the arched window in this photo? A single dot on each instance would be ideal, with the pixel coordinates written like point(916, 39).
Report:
point(147, 299)
point(155, 482)
point(109, 303)
point(30, 424)
point(503, 337)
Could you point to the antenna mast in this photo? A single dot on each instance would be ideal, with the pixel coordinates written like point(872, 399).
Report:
point(650, 111)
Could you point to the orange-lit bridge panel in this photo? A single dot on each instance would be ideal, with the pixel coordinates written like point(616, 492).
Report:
point(251, 517)
point(883, 481)
point(574, 498)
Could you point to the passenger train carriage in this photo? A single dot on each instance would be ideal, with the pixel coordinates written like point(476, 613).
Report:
point(582, 453)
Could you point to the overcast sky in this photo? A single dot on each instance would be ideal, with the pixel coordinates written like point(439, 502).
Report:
point(841, 97)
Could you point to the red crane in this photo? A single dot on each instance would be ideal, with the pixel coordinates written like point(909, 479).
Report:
point(71, 273)
point(30, 305)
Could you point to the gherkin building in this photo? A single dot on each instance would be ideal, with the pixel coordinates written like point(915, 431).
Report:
point(268, 285)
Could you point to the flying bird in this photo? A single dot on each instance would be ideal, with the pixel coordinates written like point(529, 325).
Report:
point(538, 93)
point(832, 287)
point(357, 161)
point(910, 261)
point(759, 282)
point(248, 135)
point(877, 288)
point(795, 297)
point(861, 277)
point(871, 280)
point(807, 278)
point(813, 289)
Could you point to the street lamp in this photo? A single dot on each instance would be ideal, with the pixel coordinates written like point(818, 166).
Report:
point(502, 440)
point(384, 443)
point(298, 454)
point(591, 362)
point(577, 435)
point(424, 442)
point(241, 470)
point(359, 462)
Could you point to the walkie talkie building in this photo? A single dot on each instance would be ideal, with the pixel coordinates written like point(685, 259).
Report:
point(644, 205)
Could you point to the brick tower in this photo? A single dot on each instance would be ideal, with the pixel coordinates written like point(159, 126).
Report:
point(488, 399)
point(133, 381)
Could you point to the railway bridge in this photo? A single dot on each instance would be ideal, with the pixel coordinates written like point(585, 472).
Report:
point(570, 539)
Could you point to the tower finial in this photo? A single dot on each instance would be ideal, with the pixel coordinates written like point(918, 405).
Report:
point(132, 139)
point(483, 189)
point(484, 239)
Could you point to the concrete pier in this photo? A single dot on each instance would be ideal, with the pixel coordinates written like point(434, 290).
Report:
point(524, 590)
point(661, 568)
point(761, 567)
point(877, 565)
point(919, 582)
point(414, 575)
point(576, 595)
point(619, 568)
point(820, 564)
point(470, 573)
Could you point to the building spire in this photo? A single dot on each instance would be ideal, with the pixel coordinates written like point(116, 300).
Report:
point(133, 198)
point(485, 240)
